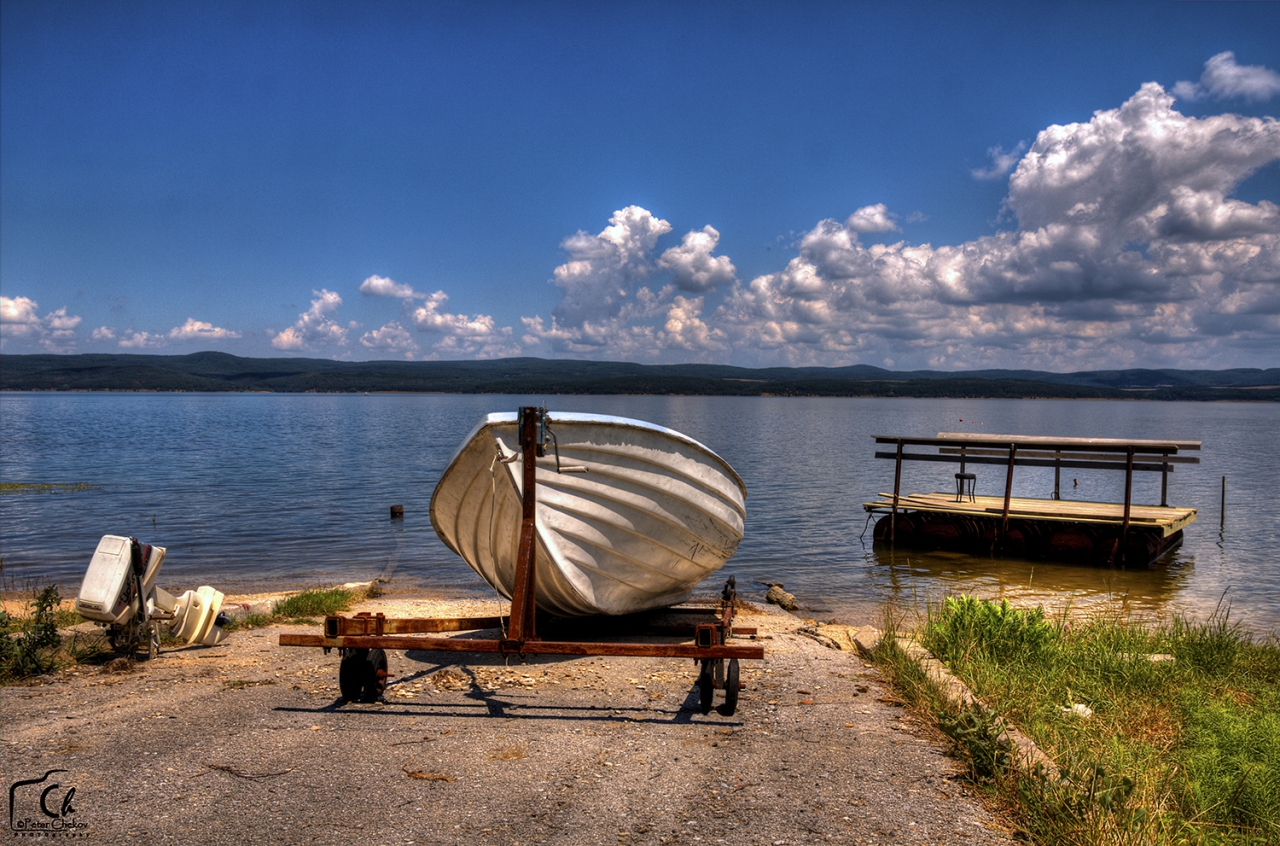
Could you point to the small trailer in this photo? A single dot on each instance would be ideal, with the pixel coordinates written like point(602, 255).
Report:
point(363, 639)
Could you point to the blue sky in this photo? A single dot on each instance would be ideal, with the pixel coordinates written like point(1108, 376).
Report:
point(1059, 186)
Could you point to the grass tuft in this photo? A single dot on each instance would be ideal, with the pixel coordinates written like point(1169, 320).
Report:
point(314, 603)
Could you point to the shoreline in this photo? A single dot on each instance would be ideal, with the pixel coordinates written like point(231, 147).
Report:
point(248, 742)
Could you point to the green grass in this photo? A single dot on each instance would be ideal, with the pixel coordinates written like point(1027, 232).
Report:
point(1176, 751)
point(314, 603)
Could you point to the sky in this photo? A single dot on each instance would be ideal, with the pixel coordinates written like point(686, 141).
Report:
point(1059, 186)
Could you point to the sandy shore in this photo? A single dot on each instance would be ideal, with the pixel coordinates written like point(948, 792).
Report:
point(249, 742)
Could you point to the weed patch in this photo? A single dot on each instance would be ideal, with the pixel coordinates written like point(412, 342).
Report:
point(314, 603)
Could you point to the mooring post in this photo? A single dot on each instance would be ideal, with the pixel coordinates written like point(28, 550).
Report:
point(1057, 473)
point(1008, 491)
point(1164, 480)
point(1222, 511)
point(1128, 501)
point(897, 481)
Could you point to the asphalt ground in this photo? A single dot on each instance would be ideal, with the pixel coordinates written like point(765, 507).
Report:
point(250, 742)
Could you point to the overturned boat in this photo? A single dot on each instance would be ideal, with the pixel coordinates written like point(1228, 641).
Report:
point(629, 515)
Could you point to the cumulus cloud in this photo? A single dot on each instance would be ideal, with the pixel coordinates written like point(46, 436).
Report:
point(1224, 79)
point(1001, 162)
point(694, 267)
point(103, 333)
point(603, 270)
point(463, 335)
point(684, 328)
point(381, 286)
point(199, 330)
point(392, 337)
point(20, 322)
point(315, 327)
point(142, 340)
point(871, 219)
point(1129, 248)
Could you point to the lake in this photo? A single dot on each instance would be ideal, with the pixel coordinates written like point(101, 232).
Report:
point(260, 491)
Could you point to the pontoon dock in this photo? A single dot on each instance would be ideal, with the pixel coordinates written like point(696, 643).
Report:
point(1038, 528)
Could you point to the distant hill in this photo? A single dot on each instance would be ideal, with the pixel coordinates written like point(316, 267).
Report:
point(213, 371)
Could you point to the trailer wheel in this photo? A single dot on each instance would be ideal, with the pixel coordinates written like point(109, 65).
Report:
point(731, 688)
point(706, 687)
point(362, 675)
point(377, 680)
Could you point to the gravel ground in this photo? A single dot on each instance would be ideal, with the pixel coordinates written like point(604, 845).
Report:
point(249, 742)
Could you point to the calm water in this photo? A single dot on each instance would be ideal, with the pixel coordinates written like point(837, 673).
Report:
point(258, 491)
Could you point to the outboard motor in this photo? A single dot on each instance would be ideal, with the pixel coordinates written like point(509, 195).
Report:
point(120, 593)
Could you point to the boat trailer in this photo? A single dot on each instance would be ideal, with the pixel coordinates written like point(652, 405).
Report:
point(362, 639)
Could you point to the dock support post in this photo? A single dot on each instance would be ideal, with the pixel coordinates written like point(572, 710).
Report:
point(1008, 491)
point(1164, 480)
point(1128, 501)
point(897, 482)
point(1057, 474)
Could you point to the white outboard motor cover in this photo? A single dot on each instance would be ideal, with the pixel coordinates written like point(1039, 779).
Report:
point(106, 595)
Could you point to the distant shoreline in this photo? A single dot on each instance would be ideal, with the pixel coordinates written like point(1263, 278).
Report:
point(211, 372)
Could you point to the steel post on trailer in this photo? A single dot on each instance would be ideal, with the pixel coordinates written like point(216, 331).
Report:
point(523, 607)
point(363, 638)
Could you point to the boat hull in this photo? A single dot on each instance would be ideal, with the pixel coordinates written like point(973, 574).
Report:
point(654, 513)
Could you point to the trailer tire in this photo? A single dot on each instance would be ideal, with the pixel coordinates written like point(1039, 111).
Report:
point(706, 687)
point(731, 688)
point(362, 675)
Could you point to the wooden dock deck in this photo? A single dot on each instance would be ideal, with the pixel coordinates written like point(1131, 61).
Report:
point(1166, 520)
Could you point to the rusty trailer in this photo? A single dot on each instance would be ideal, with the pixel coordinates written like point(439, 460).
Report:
point(363, 639)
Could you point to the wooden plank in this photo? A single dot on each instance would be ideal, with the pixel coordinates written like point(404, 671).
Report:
point(1055, 444)
point(1072, 456)
point(1168, 520)
point(1070, 463)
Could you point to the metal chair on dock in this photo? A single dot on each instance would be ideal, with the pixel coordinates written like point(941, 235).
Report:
point(965, 483)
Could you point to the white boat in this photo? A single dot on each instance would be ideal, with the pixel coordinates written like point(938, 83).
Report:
point(637, 516)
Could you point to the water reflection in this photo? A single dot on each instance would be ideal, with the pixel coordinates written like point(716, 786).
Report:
point(918, 577)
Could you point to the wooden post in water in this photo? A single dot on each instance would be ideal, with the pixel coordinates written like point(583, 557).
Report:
point(1128, 501)
point(1008, 490)
point(1222, 512)
point(897, 481)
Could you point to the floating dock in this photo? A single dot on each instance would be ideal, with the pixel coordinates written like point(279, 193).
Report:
point(1054, 529)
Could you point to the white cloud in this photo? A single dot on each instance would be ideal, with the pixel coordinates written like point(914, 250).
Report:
point(1001, 162)
point(463, 336)
point(103, 333)
point(142, 340)
point(694, 267)
point(392, 338)
point(1224, 79)
point(314, 327)
point(198, 330)
point(603, 269)
point(381, 286)
point(871, 219)
point(684, 328)
point(20, 322)
point(19, 314)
